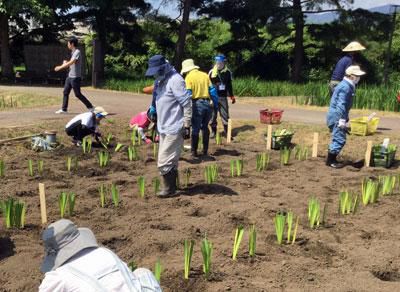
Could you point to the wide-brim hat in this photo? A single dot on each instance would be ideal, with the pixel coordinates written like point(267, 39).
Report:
point(188, 65)
point(155, 63)
point(354, 47)
point(355, 70)
point(98, 110)
point(63, 240)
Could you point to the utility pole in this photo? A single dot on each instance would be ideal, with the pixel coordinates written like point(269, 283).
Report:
point(389, 49)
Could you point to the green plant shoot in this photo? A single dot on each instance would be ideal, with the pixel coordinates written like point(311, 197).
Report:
point(279, 226)
point(238, 239)
point(289, 221)
point(158, 270)
point(285, 156)
point(313, 212)
point(115, 195)
point(206, 251)
point(30, 167)
point(62, 203)
point(2, 168)
point(118, 147)
point(262, 161)
point(187, 174)
point(218, 139)
point(141, 186)
point(188, 252)
point(40, 167)
point(156, 185)
point(102, 193)
point(252, 241)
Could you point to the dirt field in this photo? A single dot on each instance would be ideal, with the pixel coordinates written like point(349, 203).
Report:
point(358, 252)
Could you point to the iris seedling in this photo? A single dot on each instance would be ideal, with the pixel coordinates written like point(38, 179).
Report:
point(158, 270)
point(238, 239)
point(104, 158)
point(252, 240)
point(13, 213)
point(72, 160)
point(314, 212)
point(118, 147)
point(135, 137)
point(141, 186)
point(211, 173)
point(87, 145)
point(285, 155)
point(279, 226)
point(188, 252)
point(115, 195)
point(64, 200)
point(236, 167)
point(218, 139)
point(262, 161)
point(30, 167)
point(102, 193)
point(133, 154)
point(40, 167)
point(348, 203)
point(206, 251)
point(388, 184)
point(109, 138)
point(301, 153)
point(156, 185)
point(369, 191)
point(2, 168)
point(155, 150)
point(187, 174)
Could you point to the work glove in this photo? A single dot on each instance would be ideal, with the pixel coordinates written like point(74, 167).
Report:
point(233, 99)
point(342, 124)
point(186, 133)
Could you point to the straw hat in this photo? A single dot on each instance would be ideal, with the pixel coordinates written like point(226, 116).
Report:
point(354, 47)
point(98, 110)
point(62, 240)
point(354, 70)
point(188, 65)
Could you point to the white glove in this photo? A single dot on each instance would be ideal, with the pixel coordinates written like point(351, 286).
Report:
point(342, 123)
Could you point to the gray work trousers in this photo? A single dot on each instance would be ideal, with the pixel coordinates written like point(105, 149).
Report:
point(223, 109)
point(169, 152)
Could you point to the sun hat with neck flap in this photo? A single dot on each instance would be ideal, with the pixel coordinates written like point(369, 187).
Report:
point(188, 65)
point(63, 240)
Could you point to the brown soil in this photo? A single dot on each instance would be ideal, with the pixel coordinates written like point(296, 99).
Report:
point(349, 253)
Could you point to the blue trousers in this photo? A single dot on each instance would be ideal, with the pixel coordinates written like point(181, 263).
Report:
point(338, 139)
point(201, 115)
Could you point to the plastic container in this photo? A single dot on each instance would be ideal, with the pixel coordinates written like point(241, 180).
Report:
point(383, 158)
point(281, 141)
point(271, 116)
point(361, 126)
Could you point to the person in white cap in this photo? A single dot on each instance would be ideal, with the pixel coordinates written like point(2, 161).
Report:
point(85, 124)
point(74, 262)
point(338, 113)
point(201, 90)
point(345, 62)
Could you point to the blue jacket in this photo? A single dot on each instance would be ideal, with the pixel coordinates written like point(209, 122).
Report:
point(341, 102)
point(340, 68)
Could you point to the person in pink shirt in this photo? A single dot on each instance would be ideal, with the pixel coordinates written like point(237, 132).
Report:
point(142, 123)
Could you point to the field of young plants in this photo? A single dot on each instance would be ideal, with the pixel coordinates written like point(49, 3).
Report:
point(250, 220)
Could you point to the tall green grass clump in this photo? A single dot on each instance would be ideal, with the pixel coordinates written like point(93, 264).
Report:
point(211, 173)
point(236, 167)
point(188, 252)
point(156, 185)
point(13, 213)
point(66, 200)
point(369, 191)
point(285, 155)
point(141, 182)
point(283, 220)
point(252, 240)
point(388, 184)
point(238, 239)
point(262, 161)
point(348, 203)
point(206, 251)
point(314, 212)
point(86, 145)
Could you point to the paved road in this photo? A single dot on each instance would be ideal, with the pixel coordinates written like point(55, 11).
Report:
point(126, 104)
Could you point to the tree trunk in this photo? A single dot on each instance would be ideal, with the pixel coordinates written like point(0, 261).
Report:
point(6, 62)
point(102, 35)
point(298, 19)
point(180, 46)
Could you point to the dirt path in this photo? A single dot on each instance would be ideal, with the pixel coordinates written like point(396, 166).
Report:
point(126, 104)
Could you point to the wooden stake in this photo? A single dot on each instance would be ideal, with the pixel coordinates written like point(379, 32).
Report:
point(42, 197)
point(269, 137)
point(368, 154)
point(229, 134)
point(315, 145)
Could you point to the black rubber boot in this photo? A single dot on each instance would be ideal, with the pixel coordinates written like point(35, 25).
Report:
point(332, 162)
point(213, 132)
point(194, 145)
point(169, 185)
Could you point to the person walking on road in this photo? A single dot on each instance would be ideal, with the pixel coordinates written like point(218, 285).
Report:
point(173, 107)
point(221, 78)
point(200, 88)
point(73, 80)
point(338, 113)
point(344, 63)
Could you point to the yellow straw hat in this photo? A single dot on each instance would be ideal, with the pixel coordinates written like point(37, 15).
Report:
point(188, 65)
point(354, 47)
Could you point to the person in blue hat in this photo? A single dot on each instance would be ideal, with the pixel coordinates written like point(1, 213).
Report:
point(172, 105)
point(221, 78)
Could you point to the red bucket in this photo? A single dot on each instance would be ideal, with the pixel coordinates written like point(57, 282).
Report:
point(271, 116)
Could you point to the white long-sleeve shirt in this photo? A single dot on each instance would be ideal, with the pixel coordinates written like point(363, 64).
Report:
point(101, 265)
point(87, 119)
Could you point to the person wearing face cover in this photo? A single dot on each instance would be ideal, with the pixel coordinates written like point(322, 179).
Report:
point(345, 62)
point(338, 113)
point(172, 104)
point(221, 78)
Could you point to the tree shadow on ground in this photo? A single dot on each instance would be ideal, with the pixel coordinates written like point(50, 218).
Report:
point(243, 128)
point(7, 248)
point(228, 152)
point(209, 189)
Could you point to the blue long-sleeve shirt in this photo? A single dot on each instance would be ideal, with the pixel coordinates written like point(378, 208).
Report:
point(340, 68)
point(341, 102)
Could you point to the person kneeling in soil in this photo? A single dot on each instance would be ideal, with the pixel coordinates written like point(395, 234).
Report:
point(338, 113)
point(173, 106)
point(74, 262)
point(143, 122)
point(85, 124)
